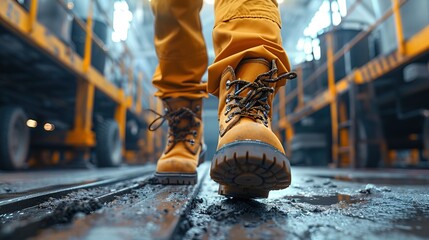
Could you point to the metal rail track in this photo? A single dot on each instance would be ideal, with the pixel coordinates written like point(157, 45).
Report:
point(165, 206)
point(65, 211)
point(36, 196)
point(157, 212)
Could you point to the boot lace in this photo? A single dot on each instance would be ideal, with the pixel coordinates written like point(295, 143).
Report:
point(255, 102)
point(174, 118)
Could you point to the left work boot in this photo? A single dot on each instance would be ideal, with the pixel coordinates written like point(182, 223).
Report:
point(185, 147)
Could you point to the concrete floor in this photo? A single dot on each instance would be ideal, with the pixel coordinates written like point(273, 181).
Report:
point(320, 204)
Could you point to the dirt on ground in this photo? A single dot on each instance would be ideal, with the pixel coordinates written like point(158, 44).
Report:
point(314, 207)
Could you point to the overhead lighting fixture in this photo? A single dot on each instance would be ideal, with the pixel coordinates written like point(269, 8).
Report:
point(280, 1)
point(122, 17)
point(49, 127)
point(31, 123)
point(211, 2)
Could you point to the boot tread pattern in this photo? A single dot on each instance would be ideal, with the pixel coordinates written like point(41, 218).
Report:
point(249, 167)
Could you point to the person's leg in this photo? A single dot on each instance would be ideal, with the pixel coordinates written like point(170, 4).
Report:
point(180, 48)
point(183, 60)
point(249, 68)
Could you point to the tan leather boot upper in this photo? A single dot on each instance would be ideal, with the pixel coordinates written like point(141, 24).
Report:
point(245, 102)
point(185, 136)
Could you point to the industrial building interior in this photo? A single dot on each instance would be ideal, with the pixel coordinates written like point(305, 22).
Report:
point(77, 159)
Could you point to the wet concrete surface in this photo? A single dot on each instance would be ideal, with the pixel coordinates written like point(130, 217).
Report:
point(81, 196)
point(320, 204)
point(22, 181)
point(152, 212)
point(317, 207)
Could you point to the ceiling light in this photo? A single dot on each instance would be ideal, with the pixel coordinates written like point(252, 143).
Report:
point(31, 123)
point(49, 127)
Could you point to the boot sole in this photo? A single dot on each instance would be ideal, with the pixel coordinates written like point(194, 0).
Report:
point(250, 169)
point(174, 178)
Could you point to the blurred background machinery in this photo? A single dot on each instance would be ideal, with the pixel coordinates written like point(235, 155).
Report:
point(70, 93)
point(362, 96)
point(75, 80)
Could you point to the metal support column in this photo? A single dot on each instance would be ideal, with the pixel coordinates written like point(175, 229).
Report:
point(333, 97)
point(82, 134)
point(398, 24)
point(33, 14)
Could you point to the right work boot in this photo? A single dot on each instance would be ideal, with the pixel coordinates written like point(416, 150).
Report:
point(250, 160)
point(185, 146)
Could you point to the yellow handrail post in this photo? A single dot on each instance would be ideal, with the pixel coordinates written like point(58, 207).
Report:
point(82, 134)
point(33, 14)
point(398, 25)
point(333, 96)
point(344, 134)
point(120, 114)
point(138, 105)
point(88, 39)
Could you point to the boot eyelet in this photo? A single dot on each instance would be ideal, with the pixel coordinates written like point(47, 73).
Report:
point(228, 119)
point(166, 110)
point(197, 108)
point(194, 133)
point(227, 100)
point(192, 142)
point(228, 108)
point(228, 84)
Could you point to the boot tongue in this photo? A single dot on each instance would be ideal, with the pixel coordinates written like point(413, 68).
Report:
point(173, 104)
point(250, 69)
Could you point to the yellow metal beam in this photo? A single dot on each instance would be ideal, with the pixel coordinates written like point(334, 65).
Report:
point(344, 136)
point(121, 117)
point(418, 43)
point(138, 105)
point(88, 40)
point(14, 17)
point(398, 25)
point(414, 47)
point(33, 14)
point(333, 93)
point(82, 134)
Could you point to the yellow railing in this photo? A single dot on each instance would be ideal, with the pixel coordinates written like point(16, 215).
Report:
point(375, 68)
point(25, 24)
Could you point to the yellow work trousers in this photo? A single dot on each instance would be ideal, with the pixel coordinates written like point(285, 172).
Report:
point(243, 29)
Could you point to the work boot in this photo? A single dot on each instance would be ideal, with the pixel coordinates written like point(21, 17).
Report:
point(185, 146)
point(250, 160)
